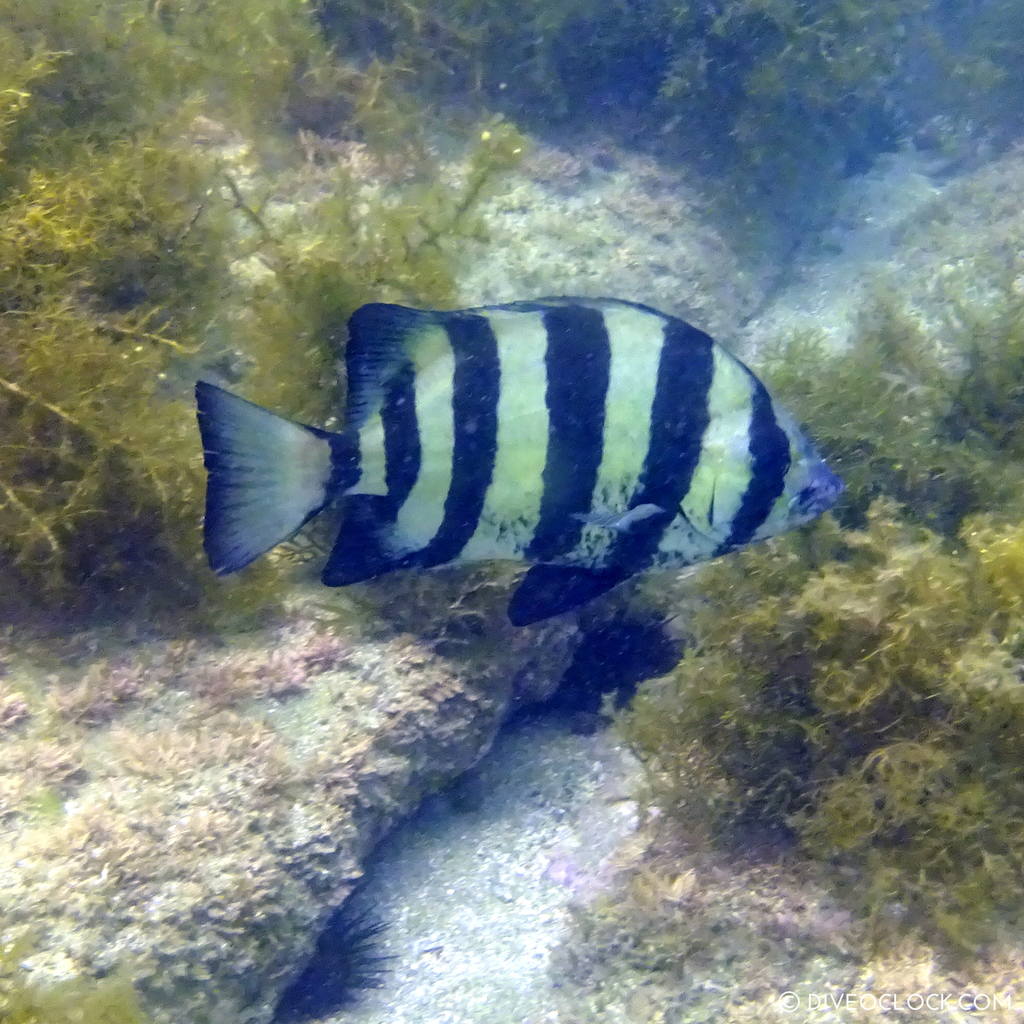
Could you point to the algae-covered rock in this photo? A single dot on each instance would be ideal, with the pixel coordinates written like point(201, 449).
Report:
point(778, 99)
point(212, 803)
point(686, 934)
point(946, 246)
point(601, 220)
point(863, 698)
point(110, 1000)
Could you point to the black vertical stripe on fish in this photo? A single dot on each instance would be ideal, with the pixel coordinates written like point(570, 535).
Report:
point(360, 551)
point(578, 362)
point(475, 387)
point(402, 451)
point(769, 464)
point(679, 417)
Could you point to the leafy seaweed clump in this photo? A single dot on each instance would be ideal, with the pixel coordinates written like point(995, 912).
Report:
point(114, 258)
point(82, 70)
point(106, 274)
point(784, 96)
point(123, 243)
point(976, 50)
point(861, 691)
point(793, 93)
point(933, 423)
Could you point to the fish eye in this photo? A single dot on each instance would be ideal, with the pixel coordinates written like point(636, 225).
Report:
point(804, 500)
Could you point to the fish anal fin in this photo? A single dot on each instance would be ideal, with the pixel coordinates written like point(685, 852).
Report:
point(548, 590)
point(362, 551)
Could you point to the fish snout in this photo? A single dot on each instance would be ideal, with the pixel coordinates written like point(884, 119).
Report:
point(821, 493)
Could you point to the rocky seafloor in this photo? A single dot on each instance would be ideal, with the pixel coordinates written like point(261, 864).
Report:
point(191, 811)
point(474, 892)
point(188, 812)
point(755, 935)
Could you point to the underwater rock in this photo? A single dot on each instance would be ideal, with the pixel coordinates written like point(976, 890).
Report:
point(945, 245)
point(197, 833)
point(476, 899)
point(602, 221)
point(833, 270)
point(686, 933)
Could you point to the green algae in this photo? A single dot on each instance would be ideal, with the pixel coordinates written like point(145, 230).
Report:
point(122, 234)
point(109, 1000)
point(133, 64)
point(862, 695)
point(858, 690)
point(976, 51)
point(782, 97)
point(114, 261)
point(930, 420)
point(103, 286)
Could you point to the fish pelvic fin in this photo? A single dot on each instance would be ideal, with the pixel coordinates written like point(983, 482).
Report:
point(621, 522)
point(267, 476)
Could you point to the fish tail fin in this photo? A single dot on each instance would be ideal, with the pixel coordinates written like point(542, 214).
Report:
point(266, 476)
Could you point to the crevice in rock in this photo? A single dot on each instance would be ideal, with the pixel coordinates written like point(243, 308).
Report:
point(485, 872)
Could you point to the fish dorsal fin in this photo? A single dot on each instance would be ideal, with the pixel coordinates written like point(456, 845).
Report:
point(548, 590)
point(380, 339)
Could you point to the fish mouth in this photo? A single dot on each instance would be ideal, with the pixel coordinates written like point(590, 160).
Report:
point(820, 494)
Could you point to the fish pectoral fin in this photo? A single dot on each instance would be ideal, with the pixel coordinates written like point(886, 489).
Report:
point(620, 521)
point(548, 590)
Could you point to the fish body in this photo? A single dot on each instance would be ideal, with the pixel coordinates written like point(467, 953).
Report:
point(592, 438)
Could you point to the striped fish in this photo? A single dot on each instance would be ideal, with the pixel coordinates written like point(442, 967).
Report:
point(593, 438)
